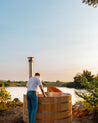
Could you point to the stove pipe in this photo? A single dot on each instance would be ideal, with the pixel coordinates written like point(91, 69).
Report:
point(30, 60)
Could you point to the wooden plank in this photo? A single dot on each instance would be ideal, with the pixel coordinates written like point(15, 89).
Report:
point(54, 108)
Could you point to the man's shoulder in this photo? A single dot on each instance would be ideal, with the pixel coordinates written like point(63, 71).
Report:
point(30, 79)
point(34, 78)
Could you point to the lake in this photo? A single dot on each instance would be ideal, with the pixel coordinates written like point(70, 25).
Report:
point(17, 92)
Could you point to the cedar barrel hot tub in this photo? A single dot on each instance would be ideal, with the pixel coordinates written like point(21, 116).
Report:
point(55, 108)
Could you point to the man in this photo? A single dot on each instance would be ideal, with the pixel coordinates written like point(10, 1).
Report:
point(32, 100)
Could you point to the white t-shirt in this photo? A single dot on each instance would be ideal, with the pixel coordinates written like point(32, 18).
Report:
point(33, 84)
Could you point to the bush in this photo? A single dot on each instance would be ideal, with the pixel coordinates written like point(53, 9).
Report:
point(91, 97)
point(13, 104)
point(4, 97)
point(85, 104)
point(4, 94)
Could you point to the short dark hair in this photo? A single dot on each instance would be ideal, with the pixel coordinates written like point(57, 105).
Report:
point(37, 74)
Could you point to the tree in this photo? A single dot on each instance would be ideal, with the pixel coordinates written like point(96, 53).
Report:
point(57, 80)
point(87, 74)
point(77, 80)
point(94, 3)
point(9, 81)
point(79, 77)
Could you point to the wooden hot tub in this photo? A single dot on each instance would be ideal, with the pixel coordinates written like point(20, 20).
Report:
point(55, 108)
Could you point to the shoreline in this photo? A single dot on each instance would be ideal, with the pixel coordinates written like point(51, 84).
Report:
point(43, 86)
point(45, 83)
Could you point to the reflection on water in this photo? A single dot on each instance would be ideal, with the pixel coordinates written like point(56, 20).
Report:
point(17, 92)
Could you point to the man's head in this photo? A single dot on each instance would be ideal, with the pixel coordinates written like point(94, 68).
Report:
point(37, 75)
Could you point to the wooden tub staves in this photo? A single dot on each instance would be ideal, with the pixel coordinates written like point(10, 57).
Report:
point(55, 108)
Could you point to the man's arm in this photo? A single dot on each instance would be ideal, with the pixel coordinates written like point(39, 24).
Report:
point(27, 84)
point(41, 87)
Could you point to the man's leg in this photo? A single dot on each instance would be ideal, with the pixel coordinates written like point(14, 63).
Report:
point(29, 105)
point(34, 108)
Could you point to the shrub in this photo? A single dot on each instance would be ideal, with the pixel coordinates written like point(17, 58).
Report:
point(85, 104)
point(13, 104)
point(4, 94)
point(4, 97)
point(91, 97)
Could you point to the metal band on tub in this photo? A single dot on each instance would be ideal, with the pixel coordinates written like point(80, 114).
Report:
point(53, 111)
point(55, 103)
point(56, 119)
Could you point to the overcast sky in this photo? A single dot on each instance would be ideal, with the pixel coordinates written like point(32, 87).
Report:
point(62, 35)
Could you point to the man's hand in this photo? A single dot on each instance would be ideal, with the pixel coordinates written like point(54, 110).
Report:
point(45, 95)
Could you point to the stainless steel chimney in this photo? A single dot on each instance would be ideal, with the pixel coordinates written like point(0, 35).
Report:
point(30, 60)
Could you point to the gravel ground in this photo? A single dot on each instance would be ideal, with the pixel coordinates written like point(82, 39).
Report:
point(15, 115)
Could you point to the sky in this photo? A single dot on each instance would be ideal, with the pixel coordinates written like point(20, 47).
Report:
point(61, 35)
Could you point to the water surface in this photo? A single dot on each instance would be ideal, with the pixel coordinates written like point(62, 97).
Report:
point(18, 92)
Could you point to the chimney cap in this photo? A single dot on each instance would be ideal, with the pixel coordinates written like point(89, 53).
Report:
point(30, 58)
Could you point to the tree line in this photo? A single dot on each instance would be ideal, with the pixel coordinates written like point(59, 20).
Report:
point(87, 75)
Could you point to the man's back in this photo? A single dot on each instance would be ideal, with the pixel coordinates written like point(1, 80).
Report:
point(33, 83)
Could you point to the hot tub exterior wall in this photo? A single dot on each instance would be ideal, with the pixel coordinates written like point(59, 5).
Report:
point(51, 110)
